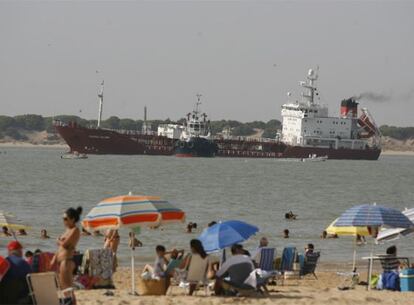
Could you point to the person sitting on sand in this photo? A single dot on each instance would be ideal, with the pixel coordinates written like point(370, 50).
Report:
point(5, 231)
point(43, 234)
point(290, 216)
point(160, 264)
point(14, 281)
point(238, 258)
point(309, 249)
point(325, 235)
point(22, 232)
point(67, 243)
point(263, 243)
point(285, 233)
point(189, 227)
point(390, 263)
point(29, 257)
point(133, 241)
point(197, 251)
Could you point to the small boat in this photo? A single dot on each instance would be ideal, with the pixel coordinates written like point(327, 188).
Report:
point(74, 155)
point(314, 158)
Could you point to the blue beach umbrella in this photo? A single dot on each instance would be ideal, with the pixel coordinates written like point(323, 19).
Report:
point(225, 234)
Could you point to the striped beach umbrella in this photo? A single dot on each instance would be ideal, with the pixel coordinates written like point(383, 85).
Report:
point(372, 215)
point(130, 211)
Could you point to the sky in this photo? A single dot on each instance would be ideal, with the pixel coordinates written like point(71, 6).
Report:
point(243, 57)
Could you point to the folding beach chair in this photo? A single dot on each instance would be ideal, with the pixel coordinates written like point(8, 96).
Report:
point(196, 274)
point(267, 257)
point(309, 264)
point(289, 256)
point(44, 289)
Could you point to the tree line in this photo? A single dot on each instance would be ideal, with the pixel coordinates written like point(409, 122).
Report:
point(13, 126)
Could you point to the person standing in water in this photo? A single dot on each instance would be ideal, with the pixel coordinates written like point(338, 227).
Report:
point(66, 247)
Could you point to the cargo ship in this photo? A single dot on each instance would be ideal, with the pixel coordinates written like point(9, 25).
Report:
point(307, 130)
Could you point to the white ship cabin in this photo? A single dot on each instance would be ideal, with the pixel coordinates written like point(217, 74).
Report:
point(172, 131)
point(307, 123)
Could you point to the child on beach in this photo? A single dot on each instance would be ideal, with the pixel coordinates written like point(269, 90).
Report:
point(160, 264)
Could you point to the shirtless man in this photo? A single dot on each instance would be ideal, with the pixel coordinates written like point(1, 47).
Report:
point(66, 247)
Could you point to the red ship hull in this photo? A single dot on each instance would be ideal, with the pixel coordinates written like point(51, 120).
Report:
point(104, 141)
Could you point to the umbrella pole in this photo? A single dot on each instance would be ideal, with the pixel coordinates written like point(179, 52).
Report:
point(354, 259)
point(133, 292)
point(370, 266)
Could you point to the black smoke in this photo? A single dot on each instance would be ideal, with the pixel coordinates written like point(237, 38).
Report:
point(373, 97)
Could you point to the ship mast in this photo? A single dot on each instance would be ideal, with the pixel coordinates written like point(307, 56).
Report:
point(100, 99)
point(198, 95)
point(310, 85)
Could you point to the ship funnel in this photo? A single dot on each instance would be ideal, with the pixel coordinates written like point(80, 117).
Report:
point(349, 108)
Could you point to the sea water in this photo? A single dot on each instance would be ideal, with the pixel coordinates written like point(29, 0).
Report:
point(36, 185)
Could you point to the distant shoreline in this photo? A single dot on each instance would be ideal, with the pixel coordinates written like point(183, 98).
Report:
point(66, 147)
point(31, 145)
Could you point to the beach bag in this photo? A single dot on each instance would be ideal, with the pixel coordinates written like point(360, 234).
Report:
point(391, 281)
point(151, 287)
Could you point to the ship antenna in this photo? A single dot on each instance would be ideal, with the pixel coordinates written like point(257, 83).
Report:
point(198, 101)
point(100, 99)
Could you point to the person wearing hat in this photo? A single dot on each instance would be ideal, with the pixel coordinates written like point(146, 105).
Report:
point(14, 282)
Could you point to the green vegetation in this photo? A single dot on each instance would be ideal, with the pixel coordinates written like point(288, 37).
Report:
point(14, 127)
point(399, 133)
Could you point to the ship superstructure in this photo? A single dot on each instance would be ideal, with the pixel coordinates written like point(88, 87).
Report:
point(306, 123)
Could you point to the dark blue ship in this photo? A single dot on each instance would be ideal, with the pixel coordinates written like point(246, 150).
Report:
point(195, 139)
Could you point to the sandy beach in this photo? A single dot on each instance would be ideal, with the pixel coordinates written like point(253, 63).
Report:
point(305, 291)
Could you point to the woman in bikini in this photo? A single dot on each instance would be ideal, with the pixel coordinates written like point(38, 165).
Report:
point(66, 247)
point(112, 240)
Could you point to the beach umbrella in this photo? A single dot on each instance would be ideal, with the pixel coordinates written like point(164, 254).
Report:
point(348, 231)
point(373, 217)
point(391, 234)
point(225, 234)
point(132, 212)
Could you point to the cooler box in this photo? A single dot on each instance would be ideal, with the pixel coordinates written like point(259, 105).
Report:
point(407, 279)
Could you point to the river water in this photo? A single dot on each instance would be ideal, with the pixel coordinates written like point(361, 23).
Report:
point(37, 186)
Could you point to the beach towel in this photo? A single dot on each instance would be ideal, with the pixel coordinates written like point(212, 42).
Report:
point(288, 258)
point(41, 262)
point(98, 263)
